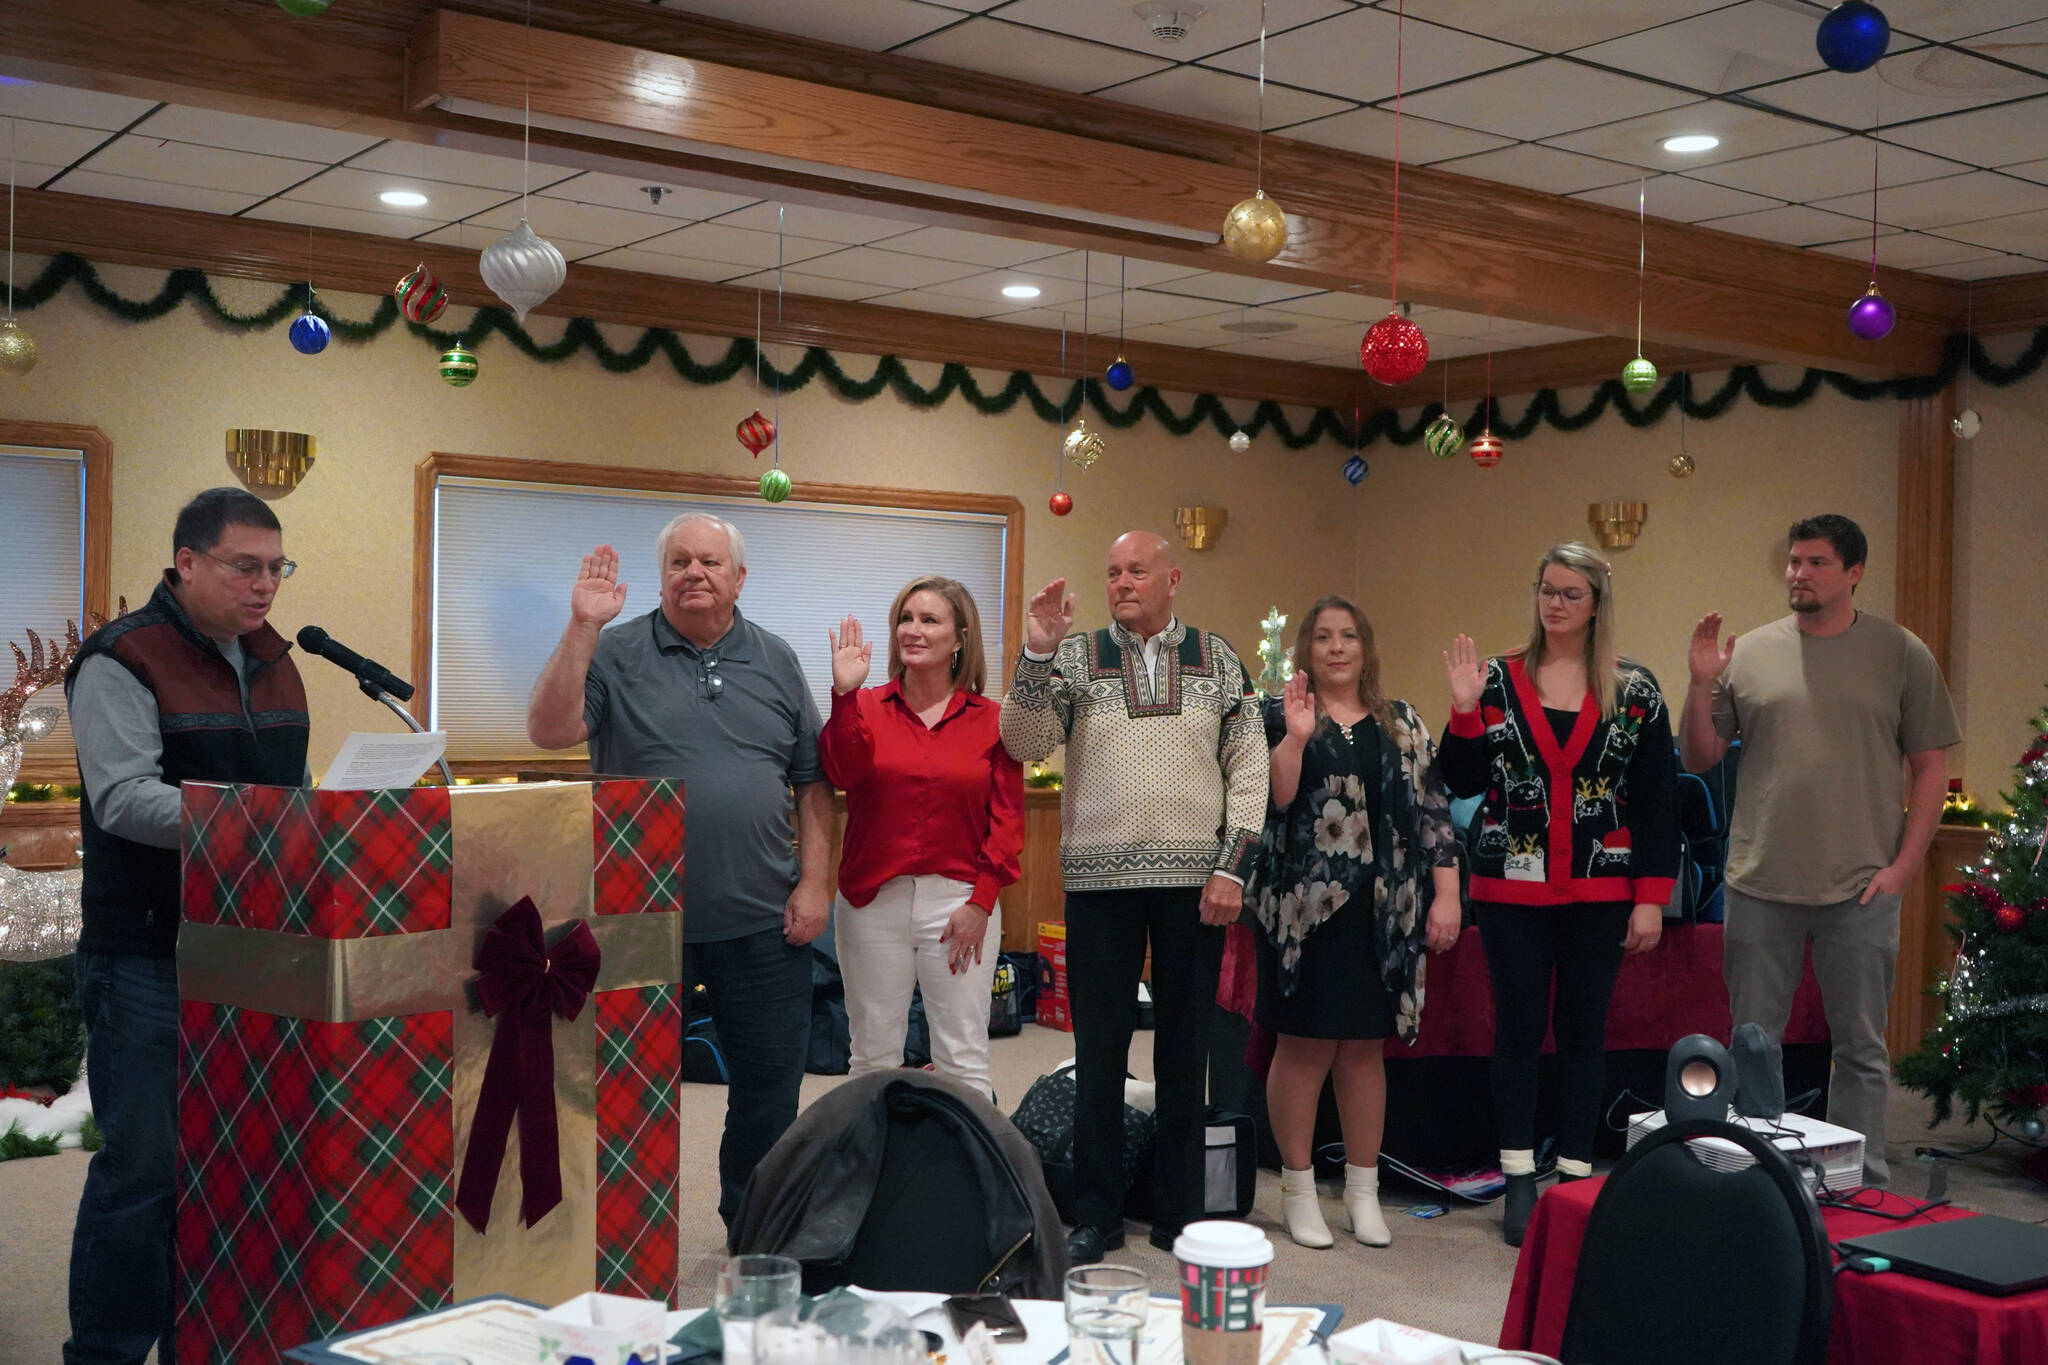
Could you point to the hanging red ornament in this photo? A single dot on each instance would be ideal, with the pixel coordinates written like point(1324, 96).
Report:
point(1394, 350)
point(1485, 450)
point(756, 433)
point(420, 295)
point(2009, 918)
point(1061, 503)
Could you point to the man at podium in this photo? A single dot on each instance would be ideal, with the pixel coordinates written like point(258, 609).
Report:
point(194, 686)
point(693, 690)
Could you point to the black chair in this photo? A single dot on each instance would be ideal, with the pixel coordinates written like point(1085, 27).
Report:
point(1686, 1265)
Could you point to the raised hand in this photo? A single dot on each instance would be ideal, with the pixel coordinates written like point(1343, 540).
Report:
point(598, 594)
point(1706, 656)
point(1466, 672)
point(1298, 707)
point(852, 656)
point(1048, 617)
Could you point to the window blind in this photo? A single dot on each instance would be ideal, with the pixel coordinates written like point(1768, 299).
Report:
point(506, 555)
point(44, 586)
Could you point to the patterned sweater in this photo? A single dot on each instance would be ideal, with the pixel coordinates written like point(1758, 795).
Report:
point(1167, 777)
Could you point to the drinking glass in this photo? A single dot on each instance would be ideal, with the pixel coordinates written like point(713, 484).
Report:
point(749, 1287)
point(1106, 1306)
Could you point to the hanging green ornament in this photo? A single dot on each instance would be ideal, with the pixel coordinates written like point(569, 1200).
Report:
point(1443, 436)
point(458, 366)
point(1639, 376)
point(774, 485)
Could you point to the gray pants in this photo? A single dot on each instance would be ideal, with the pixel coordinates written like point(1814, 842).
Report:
point(1855, 956)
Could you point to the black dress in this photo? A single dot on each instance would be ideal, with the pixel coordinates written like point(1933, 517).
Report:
point(1339, 992)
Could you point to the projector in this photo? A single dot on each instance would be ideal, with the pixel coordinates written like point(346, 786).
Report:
point(1828, 1157)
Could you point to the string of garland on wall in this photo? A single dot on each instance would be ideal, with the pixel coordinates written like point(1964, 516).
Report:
point(1746, 381)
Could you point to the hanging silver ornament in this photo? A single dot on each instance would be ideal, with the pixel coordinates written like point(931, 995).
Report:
point(1239, 442)
point(1083, 446)
point(522, 269)
point(1967, 424)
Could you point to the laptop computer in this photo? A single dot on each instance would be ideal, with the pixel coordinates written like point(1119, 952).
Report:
point(1988, 1254)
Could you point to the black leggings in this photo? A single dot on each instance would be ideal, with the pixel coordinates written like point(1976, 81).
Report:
point(1525, 945)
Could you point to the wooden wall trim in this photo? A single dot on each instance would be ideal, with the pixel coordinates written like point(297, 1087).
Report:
point(1924, 577)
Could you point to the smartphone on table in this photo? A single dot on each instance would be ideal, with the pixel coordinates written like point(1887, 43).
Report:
point(993, 1311)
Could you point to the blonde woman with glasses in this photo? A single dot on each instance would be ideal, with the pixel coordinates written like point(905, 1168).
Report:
point(1575, 847)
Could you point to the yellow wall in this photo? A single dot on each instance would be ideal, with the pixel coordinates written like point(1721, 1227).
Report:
point(1429, 549)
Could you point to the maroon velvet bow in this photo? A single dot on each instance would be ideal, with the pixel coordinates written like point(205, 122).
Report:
point(521, 983)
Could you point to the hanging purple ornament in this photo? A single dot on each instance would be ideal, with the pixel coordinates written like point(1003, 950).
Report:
point(1872, 316)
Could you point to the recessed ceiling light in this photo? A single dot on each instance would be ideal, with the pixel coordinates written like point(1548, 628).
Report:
point(1692, 142)
point(1020, 291)
point(403, 199)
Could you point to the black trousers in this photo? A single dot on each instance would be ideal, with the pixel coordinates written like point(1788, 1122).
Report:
point(1106, 936)
point(1526, 947)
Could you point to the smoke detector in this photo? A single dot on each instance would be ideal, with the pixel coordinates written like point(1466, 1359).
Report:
point(1169, 22)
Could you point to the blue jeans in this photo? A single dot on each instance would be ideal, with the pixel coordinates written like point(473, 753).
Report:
point(760, 989)
point(121, 1280)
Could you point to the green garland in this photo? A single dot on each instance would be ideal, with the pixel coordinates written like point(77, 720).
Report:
point(1961, 351)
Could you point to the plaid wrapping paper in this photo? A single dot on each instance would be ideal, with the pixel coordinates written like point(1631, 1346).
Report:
point(317, 1160)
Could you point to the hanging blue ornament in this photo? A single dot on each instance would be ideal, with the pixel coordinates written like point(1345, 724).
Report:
point(1355, 470)
point(1852, 36)
point(1119, 375)
point(309, 335)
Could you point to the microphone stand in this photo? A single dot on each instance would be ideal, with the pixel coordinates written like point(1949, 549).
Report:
point(376, 693)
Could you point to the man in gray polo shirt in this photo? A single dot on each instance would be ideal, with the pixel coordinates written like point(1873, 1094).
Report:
point(693, 690)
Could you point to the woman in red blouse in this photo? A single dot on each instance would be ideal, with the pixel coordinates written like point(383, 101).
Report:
point(934, 827)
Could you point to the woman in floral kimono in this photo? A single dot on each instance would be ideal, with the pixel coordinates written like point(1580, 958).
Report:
point(1357, 846)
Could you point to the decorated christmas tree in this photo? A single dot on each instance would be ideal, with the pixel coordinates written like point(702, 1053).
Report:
point(1990, 1047)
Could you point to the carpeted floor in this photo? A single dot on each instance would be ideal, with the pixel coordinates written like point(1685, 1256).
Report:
point(1446, 1274)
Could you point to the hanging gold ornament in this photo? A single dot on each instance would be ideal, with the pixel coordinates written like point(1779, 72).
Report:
point(1681, 466)
point(17, 348)
point(1083, 446)
point(1255, 229)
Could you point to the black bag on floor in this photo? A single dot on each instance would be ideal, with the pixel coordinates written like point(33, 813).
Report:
point(1046, 1117)
point(1230, 1164)
point(1005, 1002)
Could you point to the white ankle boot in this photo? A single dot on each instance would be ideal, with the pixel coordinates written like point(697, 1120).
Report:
point(1298, 1203)
point(1362, 1203)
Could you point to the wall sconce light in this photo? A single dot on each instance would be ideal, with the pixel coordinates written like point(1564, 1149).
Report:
point(266, 459)
point(1617, 524)
point(1199, 526)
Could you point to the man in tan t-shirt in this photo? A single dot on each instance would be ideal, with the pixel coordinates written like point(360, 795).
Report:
point(1833, 706)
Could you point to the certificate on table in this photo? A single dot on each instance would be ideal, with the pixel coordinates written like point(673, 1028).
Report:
point(496, 1330)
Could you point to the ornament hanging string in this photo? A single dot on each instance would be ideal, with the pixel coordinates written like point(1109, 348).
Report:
point(1394, 265)
point(1259, 133)
point(778, 332)
point(526, 129)
point(13, 130)
point(1643, 260)
point(1121, 263)
point(1059, 454)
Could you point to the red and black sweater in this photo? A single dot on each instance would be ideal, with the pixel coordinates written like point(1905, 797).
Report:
point(1577, 809)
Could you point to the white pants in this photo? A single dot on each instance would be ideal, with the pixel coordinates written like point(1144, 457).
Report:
point(891, 945)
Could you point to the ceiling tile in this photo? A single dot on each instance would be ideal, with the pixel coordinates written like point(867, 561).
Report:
point(655, 263)
point(1371, 131)
point(1953, 199)
point(758, 250)
point(1542, 99)
point(36, 174)
point(348, 188)
point(1541, 168)
point(684, 202)
point(1223, 26)
point(1053, 292)
point(826, 225)
point(558, 218)
point(2030, 170)
point(1727, 49)
point(928, 301)
point(1451, 322)
point(1514, 337)
point(1794, 225)
point(1147, 307)
point(1944, 20)
point(1029, 54)
point(466, 236)
point(1743, 132)
point(183, 163)
point(1352, 55)
point(1336, 306)
point(1681, 199)
point(814, 285)
point(237, 132)
point(450, 166)
point(1909, 250)
point(1054, 319)
point(1197, 92)
point(973, 248)
point(33, 143)
point(1448, 347)
point(1103, 269)
point(1923, 83)
point(164, 193)
point(1278, 348)
point(1555, 25)
point(1163, 334)
point(340, 219)
point(874, 25)
point(2026, 45)
point(1985, 268)
point(877, 266)
point(2021, 232)
point(1822, 170)
point(61, 104)
point(1983, 137)
point(1235, 288)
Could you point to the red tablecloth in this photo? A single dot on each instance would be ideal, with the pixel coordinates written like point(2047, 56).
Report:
point(1883, 1319)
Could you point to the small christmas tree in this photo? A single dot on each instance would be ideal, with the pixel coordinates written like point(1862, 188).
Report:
point(1990, 1046)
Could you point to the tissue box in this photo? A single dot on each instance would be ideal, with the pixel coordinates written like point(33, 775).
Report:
point(601, 1329)
point(1380, 1342)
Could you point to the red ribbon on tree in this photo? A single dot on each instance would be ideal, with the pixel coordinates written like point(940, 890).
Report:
point(520, 984)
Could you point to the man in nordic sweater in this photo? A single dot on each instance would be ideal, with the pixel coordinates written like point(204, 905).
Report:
point(1165, 793)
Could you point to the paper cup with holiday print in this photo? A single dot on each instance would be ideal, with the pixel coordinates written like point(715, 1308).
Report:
point(1223, 1269)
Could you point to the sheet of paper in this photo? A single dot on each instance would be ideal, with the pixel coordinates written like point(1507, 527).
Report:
point(486, 1332)
point(376, 762)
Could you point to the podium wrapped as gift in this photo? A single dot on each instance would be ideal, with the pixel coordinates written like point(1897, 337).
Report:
point(364, 1115)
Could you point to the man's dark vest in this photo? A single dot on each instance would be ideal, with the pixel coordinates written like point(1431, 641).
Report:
point(131, 891)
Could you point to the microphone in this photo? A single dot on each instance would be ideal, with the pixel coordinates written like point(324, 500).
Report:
point(374, 676)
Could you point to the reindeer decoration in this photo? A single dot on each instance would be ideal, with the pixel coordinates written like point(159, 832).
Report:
point(42, 666)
